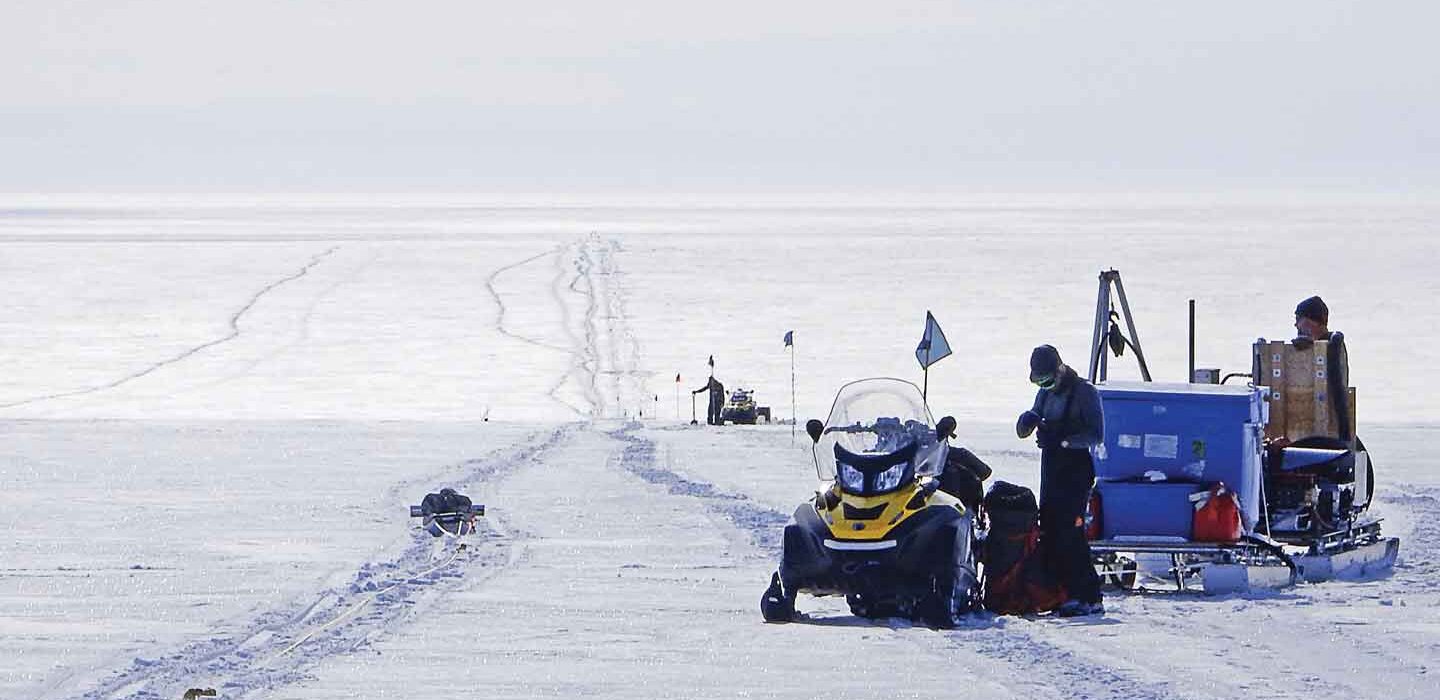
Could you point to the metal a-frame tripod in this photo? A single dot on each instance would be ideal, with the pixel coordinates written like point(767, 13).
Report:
point(1107, 329)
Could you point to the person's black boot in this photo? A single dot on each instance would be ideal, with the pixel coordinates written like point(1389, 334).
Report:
point(1076, 608)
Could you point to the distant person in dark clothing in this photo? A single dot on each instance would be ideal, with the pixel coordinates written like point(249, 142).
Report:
point(1067, 420)
point(1312, 323)
point(717, 400)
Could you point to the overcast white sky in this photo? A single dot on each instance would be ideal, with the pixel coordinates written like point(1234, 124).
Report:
point(535, 95)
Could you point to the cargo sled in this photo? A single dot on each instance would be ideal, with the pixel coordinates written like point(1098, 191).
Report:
point(1239, 486)
point(1169, 446)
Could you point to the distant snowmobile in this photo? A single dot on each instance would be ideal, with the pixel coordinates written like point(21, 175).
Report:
point(740, 409)
point(447, 513)
point(884, 535)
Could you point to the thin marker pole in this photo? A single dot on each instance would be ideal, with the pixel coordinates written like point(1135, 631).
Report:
point(1191, 378)
point(793, 417)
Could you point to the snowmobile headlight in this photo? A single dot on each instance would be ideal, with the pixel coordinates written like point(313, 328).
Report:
point(890, 478)
point(851, 478)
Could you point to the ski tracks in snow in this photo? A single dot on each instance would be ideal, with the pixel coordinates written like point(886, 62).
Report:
point(303, 331)
point(276, 648)
point(579, 348)
point(231, 334)
point(502, 310)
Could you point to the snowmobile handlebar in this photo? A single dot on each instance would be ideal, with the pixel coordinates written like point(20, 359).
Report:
point(945, 426)
point(857, 428)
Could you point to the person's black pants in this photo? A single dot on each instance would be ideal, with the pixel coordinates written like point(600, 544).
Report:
point(713, 416)
point(1065, 482)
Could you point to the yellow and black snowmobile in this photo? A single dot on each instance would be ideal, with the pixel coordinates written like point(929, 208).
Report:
point(883, 534)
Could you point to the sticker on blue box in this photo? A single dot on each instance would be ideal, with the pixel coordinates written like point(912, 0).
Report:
point(1162, 446)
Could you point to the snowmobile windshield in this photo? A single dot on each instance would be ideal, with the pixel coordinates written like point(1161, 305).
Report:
point(874, 426)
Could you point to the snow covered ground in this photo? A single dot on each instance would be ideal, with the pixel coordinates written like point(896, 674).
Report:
point(215, 414)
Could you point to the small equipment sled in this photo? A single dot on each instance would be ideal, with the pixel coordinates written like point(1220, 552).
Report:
point(447, 513)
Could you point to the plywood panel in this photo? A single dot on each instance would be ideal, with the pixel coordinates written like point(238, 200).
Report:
point(1300, 405)
point(1271, 374)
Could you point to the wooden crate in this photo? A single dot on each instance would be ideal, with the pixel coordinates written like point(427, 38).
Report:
point(1298, 379)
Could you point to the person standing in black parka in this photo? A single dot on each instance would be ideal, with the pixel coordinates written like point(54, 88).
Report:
point(1067, 420)
point(717, 400)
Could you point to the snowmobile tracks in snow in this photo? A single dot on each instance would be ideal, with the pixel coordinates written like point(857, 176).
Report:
point(598, 351)
point(1031, 660)
point(1418, 563)
point(764, 525)
point(275, 648)
point(585, 294)
point(231, 334)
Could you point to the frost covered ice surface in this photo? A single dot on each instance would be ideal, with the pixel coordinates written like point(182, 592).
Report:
point(216, 413)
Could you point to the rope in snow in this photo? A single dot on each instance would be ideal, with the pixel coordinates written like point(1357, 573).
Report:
point(357, 607)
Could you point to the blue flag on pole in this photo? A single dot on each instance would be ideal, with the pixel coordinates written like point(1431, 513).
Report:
point(789, 338)
point(933, 347)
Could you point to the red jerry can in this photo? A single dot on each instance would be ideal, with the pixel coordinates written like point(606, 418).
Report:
point(1217, 515)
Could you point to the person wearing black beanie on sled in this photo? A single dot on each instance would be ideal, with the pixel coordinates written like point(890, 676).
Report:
point(1312, 323)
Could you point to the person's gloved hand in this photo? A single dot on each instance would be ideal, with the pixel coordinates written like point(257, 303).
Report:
point(1027, 424)
point(1046, 439)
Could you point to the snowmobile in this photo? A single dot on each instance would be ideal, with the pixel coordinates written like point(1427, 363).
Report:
point(740, 409)
point(447, 513)
point(883, 534)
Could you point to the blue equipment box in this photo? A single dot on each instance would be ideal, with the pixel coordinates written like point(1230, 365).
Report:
point(1191, 433)
point(1133, 509)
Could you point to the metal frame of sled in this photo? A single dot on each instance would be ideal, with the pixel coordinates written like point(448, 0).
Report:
point(1255, 561)
point(1221, 567)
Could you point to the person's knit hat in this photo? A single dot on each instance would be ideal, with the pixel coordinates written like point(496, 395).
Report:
point(1314, 309)
point(1044, 362)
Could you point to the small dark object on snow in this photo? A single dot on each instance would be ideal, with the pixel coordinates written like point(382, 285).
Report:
point(447, 512)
